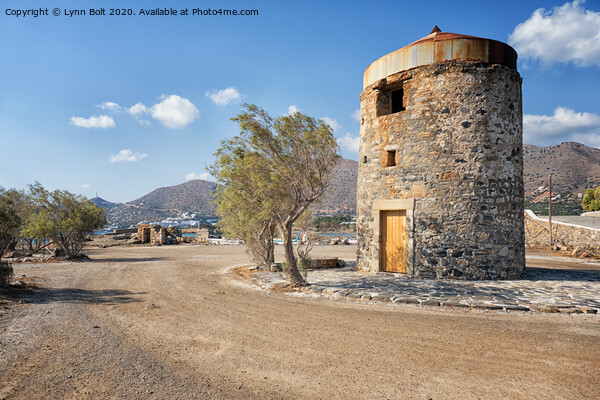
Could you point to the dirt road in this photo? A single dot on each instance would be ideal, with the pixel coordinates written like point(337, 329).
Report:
point(169, 323)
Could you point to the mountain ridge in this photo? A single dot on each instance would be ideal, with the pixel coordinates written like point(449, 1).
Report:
point(194, 197)
point(574, 167)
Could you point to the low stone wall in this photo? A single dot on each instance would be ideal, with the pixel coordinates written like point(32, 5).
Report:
point(125, 230)
point(318, 263)
point(579, 240)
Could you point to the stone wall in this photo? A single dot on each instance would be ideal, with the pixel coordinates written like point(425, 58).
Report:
point(202, 235)
point(153, 234)
point(579, 240)
point(457, 150)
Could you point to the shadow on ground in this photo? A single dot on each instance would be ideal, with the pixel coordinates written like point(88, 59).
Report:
point(531, 274)
point(124, 260)
point(73, 295)
point(551, 274)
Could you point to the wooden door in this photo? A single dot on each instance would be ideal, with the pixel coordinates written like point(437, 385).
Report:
point(392, 253)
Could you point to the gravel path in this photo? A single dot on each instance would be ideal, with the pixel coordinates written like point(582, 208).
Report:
point(169, 322)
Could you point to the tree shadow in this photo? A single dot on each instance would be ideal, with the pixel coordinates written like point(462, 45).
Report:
point(552, 274)
point(531, 288)
point(85, 296)
point(531, 274)
point(124, 260)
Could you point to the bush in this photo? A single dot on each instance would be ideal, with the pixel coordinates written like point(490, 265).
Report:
point(6, 272)
point(304, 264)
point(591, 200)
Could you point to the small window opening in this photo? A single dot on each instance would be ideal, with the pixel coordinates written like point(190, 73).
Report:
point(398, 101)
point(364, 159)
point(390, 160)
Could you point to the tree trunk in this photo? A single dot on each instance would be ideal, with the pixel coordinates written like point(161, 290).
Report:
point(292, 272)
point(270, 256)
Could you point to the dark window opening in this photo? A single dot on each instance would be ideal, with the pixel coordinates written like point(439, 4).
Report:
point(390, 160)
point(398, 101)
point(364, 159)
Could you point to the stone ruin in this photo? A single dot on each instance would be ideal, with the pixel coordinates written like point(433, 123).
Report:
point(440, 180)
point(156, 234)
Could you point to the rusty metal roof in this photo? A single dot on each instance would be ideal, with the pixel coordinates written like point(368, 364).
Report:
point(438, 47)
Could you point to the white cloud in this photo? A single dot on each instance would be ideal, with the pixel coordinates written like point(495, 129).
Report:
point(193, 175)
point(568, 33)
point(332, 123)
point(292, 109)
point(224, 96)
point(110, 106)
point(175, 112)
point(85, 186)
point(356, 114)
point(349, 143)
point(137, 109)
point(589, 139)
point(103, 121)
point(564, 125)
point(126, 155)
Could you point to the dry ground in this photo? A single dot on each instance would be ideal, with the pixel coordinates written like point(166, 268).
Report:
point(168, 322)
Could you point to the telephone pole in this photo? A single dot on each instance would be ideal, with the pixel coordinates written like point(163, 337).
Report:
point(550, 207)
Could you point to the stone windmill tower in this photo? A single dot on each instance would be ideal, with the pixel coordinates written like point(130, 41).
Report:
point(440, 179)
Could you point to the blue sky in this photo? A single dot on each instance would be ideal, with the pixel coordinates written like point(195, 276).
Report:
point(122, 105)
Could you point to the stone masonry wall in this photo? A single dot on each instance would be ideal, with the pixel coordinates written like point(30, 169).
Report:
point(458, 155)
point(578, 239)
point(157, 234)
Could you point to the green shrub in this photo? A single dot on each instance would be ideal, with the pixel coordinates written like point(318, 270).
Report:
point(591, 200)
point(303, 264)
point(6, 272)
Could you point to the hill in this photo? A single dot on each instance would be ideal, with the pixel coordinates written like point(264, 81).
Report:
point(340, 197)
point(105, 204)
point(574, 168)
point(194, 197)
point(166, 202)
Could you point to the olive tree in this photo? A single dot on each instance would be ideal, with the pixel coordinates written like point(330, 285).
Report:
point(10, 221)
point(66, 219)
point(292, 157)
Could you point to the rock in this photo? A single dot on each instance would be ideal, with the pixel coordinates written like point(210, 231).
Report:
point(354, 295)
point(545, 309)
point(382, 297)
point(516, 308)
point(455, 304)
point(569, 310)
point(405, 300)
